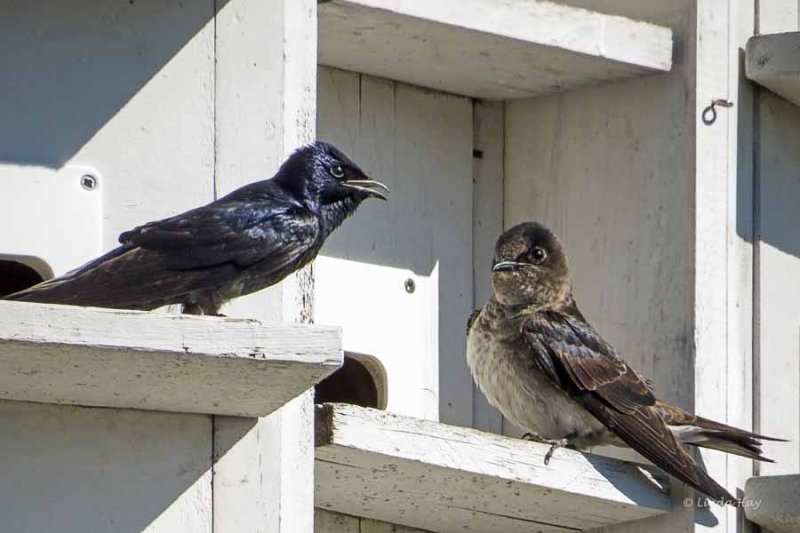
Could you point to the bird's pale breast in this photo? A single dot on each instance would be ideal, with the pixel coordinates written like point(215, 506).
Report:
point(502, 366)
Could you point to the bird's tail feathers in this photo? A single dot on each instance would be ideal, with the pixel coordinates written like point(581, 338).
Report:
point(706, 433)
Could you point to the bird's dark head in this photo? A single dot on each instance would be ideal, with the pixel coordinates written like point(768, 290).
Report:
point(530, 267)
point(322, 176)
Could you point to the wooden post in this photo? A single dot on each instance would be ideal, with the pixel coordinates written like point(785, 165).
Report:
point(265, 108)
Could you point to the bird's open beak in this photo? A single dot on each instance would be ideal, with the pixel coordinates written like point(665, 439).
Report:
point(506, 266)
point(371, 187)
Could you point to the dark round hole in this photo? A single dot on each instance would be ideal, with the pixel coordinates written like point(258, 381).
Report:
point(353, 384)
point(16, 276)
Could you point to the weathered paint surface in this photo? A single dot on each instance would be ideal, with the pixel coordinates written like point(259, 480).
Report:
point(153, 361)
point(773, 61)
point(171, 107)
point(330, 522)
point(419, 143)
point(265, 108)
point(77, 469)
point(449, 479)
point(487, 224)
point(126, 89)
point(514, 48)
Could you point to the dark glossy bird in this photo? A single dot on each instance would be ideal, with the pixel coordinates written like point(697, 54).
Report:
point(538, 361)
point(246, 241)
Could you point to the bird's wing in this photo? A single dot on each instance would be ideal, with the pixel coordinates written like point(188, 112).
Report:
point(589, 362)
point(582, 364)
point(240, 232)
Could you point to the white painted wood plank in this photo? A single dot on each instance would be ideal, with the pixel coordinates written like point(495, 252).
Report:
point(779, 281)
point(265, 108)
point(774, 502)
point(444, 478)
point(516, 48)
point(419, 143)
point(76, 470)
point(487, 225)
point(778, 16)
point(153, 66)
point(739, 386)
point(774, 62)
point(140, 360)
point(712, 182)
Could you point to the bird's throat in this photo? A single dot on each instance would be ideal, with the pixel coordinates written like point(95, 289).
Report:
point(334, 213)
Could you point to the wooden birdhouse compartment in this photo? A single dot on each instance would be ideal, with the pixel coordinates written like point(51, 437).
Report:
point(585, 115)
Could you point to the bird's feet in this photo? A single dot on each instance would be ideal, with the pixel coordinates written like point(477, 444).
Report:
point(554, 444)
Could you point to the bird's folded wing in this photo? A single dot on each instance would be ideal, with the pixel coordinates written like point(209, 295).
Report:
point(242, 233)
point(590, 363)
point(587, 368)
point(646, 432)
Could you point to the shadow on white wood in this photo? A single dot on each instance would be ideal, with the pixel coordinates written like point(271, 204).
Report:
point(77, 470)
point(419, 143)
point(514, 48)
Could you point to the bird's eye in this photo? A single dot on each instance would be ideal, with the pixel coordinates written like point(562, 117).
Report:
point(538, 255)
point(337, 171)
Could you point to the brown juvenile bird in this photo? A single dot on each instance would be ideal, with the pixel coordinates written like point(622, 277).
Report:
point(538, 361)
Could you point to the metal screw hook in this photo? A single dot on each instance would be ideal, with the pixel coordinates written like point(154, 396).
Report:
point(709, 115)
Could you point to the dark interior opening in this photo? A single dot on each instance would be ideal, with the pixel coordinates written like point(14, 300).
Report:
point(358, 382)
point(15, 276)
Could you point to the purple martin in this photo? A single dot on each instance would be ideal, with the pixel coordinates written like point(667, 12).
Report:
point(538, 361)
point(243, 242)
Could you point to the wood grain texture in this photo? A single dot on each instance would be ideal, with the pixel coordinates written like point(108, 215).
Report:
point(264, 109)
point(515, 48)
point(444, 478)
point(487, 224)
point(419, 143)
point(153, 361)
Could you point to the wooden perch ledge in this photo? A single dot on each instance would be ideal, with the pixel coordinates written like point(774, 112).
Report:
point(514, 48)
point(154, 361)
point(443, 478)
point(773, 61)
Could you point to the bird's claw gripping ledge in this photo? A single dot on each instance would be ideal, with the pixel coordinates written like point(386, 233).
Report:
point(554, 444)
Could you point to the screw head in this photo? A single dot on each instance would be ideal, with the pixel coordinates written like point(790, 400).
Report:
point(410, 286)
point(88, 182)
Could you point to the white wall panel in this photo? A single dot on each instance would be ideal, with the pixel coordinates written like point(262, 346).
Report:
point(76, 469)
point(419, 143)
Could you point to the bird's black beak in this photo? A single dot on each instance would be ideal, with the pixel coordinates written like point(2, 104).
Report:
point(371, 187)
point(507, 266)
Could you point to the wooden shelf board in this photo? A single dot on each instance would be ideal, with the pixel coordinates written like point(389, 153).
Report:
point(155, 361)
point(443, 478)
point(773, 61)
point(488, 49)
point(773, 502)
